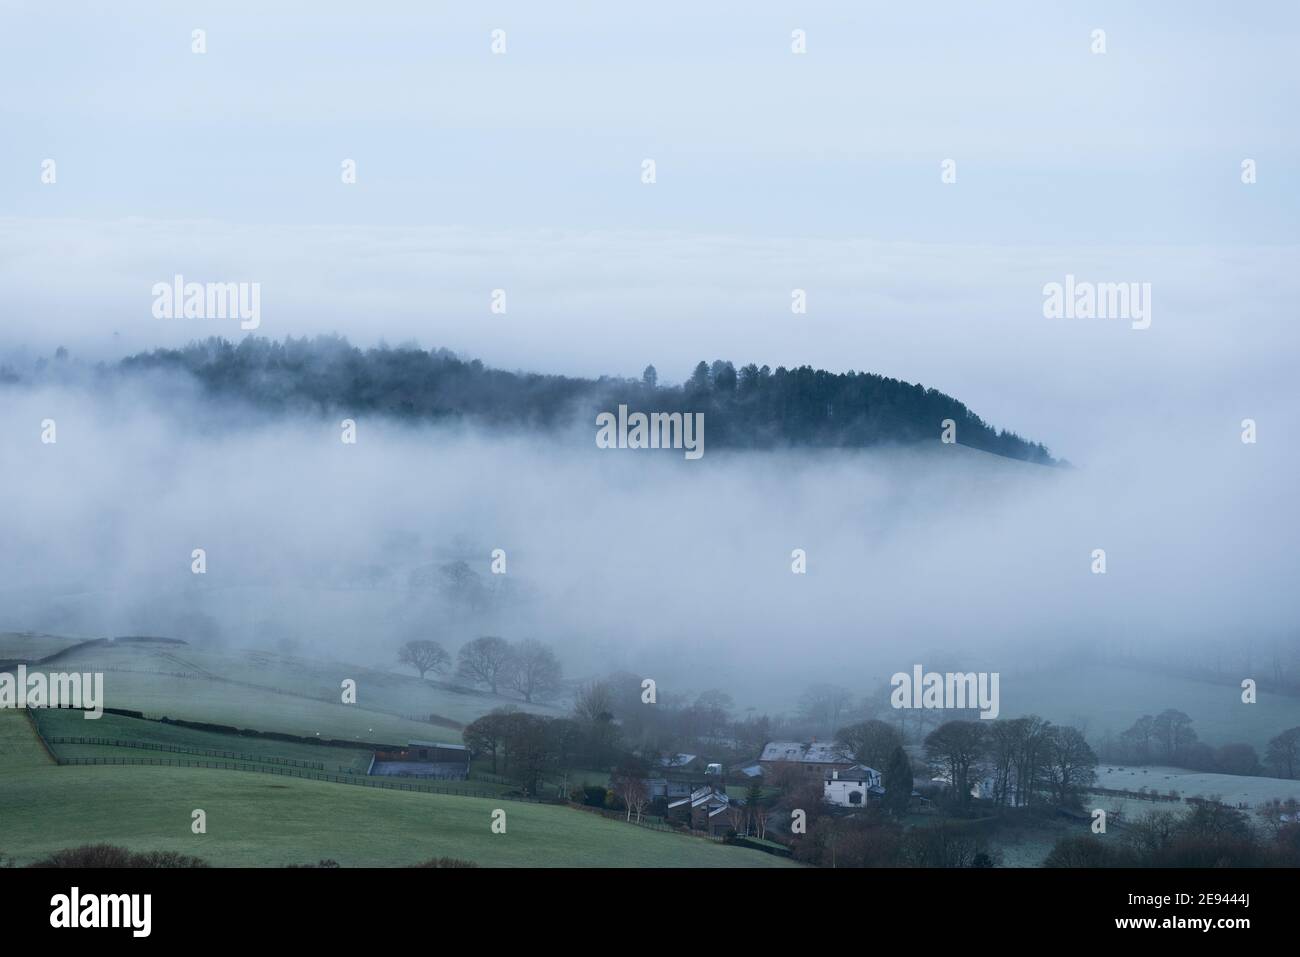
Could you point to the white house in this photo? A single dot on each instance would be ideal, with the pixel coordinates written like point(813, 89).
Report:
point(851, 787)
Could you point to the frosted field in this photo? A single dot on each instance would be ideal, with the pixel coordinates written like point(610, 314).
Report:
point(1228, 788)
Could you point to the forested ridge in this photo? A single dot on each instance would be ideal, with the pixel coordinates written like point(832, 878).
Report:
point(750, 407)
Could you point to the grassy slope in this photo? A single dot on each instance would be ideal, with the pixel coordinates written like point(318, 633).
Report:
point(1109, 698)
point(20, 749)
point(256, 819)
point(275, 693)
point(116, 727)
point(1113, 698)
point(27, 647)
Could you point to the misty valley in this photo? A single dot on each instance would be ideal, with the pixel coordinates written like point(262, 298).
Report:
point(535, 439)
point(283, 599)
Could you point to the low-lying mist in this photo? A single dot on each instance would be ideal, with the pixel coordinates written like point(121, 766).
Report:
point(635, 560)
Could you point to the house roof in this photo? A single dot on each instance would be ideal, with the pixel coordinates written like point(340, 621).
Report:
point(436, 744)
point(676, 760)
point(812, 752)
point(858, 772)
point(705, 795)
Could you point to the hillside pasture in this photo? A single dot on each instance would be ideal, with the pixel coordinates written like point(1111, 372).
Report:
point(1229, 788)
point(157, 739)
point(27, 646)
point(20, 748)
point(1112, 698)
point(261, 820)
point(278, 693)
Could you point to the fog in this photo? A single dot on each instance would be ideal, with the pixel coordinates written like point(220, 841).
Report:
point(639, 559)
point(966, 319)
point(776, 172)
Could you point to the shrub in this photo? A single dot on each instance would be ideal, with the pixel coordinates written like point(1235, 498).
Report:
point(166, 859)
point(110, 855)
point(950, 844)
point(445, 862)
point(1287, 846)
point(1080, 851)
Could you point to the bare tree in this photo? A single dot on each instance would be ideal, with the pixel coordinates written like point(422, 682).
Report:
point(424, 656)
point(529, 747)
point(870, 742)
point(1283, 756)
point(824, 705)
point(714, 709)
point(593, 707)
point(1028, 750)
point(485, 661)
point(534, 670)
point(1137, 739)
point(1070, 764)
point(738, 815)
point(1016, 750)
point(1172, 730)
point(957, 748)
point(487, 734)
point(1003, 737)
point(462, 586)
point(593, 701)
point(630, 785)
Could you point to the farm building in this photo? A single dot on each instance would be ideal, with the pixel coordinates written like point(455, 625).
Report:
point(813, 757)
point(706, 807)
point(672, 790)
point(424, 759)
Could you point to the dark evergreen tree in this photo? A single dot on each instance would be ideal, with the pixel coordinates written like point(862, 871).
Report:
point(898, 782)
point(699, 381)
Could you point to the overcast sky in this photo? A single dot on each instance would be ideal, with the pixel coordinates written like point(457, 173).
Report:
point(775, 171)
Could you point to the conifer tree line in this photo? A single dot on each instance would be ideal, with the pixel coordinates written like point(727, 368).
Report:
point(754, 406)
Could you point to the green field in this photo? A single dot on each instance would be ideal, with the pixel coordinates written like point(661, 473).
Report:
point(253, 689)
point(20, 749)
point(257, 819)
point(58, 724)
point(262, 820)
